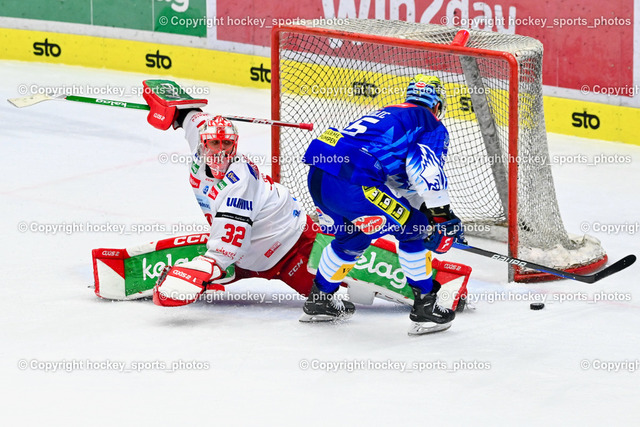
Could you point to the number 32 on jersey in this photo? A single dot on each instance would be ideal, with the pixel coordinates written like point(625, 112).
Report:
point(234, 234)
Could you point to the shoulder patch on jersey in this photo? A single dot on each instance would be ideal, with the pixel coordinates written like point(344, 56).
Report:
point(194, 167)
point(330, 137)
point(221, 185)
point(232, 177)
point(253, 170)
point(195, 182)
point(213, 193)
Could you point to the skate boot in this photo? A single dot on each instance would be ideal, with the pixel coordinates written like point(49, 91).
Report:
point(427, 316)
point(325, 307)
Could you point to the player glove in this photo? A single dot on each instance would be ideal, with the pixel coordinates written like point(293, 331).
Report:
point(447, 229)
point(165, 97)
point(182, 284)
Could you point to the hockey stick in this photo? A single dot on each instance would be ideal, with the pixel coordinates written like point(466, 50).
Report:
point(28, 101)
point(307, 126)
point(591, 278)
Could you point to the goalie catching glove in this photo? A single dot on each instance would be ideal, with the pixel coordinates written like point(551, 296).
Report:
point(182, 284)
point(164, 98)
point(447, 229)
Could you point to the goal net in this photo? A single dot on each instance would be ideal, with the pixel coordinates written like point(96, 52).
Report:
point(498, 164)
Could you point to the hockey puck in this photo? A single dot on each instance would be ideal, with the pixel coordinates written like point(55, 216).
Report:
point(536, 305)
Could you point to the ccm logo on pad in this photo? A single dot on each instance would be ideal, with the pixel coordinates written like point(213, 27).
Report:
point(191, 240)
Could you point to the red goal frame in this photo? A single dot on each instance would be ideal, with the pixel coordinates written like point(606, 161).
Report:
point(458, 48)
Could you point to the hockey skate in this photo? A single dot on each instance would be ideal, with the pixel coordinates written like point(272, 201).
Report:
point(427, 316)
point(325, 307)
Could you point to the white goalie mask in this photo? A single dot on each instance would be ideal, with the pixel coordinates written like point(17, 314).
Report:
point(219, 143)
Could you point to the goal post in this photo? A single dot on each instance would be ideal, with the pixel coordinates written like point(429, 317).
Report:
point(498, 164)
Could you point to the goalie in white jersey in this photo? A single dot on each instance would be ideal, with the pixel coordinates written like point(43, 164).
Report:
point(255, 223)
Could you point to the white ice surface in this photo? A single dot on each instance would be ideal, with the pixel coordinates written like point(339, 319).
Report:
point(65, 162)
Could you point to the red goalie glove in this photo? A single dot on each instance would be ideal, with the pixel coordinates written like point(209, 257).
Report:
point(184, 283)
point(165, 97)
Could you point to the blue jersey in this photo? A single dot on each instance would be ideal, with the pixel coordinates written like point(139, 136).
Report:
point(403, 146)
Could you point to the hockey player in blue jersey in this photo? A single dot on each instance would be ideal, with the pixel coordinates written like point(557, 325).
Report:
point(383, 174)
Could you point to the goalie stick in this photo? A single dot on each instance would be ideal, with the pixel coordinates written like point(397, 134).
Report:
point(590, 278)
point(28, 101)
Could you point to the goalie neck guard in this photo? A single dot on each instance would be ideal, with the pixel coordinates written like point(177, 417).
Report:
point(218, 144)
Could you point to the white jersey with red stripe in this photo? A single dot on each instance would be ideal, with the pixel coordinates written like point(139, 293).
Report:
point(254, 221)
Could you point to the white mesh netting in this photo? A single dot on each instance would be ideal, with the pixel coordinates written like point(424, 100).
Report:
point(331, 82)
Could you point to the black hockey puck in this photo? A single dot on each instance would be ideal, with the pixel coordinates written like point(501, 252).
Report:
point(536, 305)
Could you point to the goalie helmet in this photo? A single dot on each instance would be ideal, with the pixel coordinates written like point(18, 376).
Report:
point(219, 143)
point(428, 91)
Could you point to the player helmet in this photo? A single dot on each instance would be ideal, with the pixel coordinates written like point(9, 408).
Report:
point(428, 91)
point(219, 143)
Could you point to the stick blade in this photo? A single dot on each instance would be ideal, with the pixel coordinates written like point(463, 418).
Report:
point(614, 268)
point(28, 101)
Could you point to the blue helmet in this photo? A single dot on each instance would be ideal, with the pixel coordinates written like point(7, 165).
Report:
point(428, 91)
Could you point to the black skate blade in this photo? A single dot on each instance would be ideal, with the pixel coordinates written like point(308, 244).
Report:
point(320, 318)
point(424, 328)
